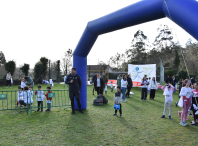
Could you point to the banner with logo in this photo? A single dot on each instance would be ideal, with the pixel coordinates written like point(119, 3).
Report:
point(137, 72)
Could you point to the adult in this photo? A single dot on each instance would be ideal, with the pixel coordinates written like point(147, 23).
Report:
point(65, 78)
point(75, 83)
point(99, 85)
point(174, 83)
point(29, 81)
point(192, 80)
point(168, 80)
point(119, 78)
point(93, 81)
point(129, 86)
point(105, 80)
point(124, 84)
point(153, 87)
point(8, 79)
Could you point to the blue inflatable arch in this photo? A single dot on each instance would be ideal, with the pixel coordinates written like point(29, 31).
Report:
point(182, 12)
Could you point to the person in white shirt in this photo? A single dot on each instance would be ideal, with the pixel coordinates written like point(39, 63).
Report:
point(149, 80)
point(8, 79)
point(124, 84)
point(40, 97)
point(20, 97)
point(111, 86)
point(28, 96)
point(23, 83)
point(153, 87)
point(65, 78)
point(51, 82)
point(186, 100)
point(144, 85)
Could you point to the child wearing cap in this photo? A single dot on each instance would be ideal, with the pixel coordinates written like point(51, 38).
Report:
point(117, 100)
point(168, 93)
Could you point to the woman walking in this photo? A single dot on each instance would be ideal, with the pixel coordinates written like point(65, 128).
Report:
point(129, 86)
point(153, 87)
point(124, 84)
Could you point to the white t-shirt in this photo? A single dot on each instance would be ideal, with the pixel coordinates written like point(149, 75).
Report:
point(144, 84)
point(50, 81)
point(40, 96)
point(186, 92)
point(124, 83)
point(98, 82)
point(111, 85)
point(28, 97)
point(23, 84)
point(20, 95)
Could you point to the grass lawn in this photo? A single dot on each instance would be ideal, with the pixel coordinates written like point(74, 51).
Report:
point(140, 125)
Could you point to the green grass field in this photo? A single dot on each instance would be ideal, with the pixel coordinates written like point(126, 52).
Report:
point(140, 125)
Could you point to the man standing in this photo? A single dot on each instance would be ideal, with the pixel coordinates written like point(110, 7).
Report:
point(119, 80)
point(29, 81)
point(168, 80)
point(75, 83)
point(93, 80)
point(192, 80)
point(8, 79)
point(65, 78)
point(105, 80)
point(174, 83)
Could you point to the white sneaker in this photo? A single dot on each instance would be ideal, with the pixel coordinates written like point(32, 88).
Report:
point(124, 101)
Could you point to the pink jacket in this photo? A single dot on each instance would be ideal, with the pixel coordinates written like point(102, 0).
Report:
point(170, 97)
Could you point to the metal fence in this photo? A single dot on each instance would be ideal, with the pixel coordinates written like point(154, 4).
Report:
point(27, 100)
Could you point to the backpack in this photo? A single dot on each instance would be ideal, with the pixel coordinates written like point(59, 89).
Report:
point(98, 101)
point(105, 101)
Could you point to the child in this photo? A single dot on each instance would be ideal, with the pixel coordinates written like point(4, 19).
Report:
point(39, 98)
point(149, 80)
point(20, 97)
point(48, 99)
point(117, 100)
point(31, 94)
point(51, 82)
point(111, 86)
point(144, 85)
point(23, 84)
point(26, 96)
point(168, 93)
point(186, 95)
point(195, 104)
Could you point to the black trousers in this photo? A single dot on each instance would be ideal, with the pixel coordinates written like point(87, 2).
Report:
point(8, 82)
point(152, 93)
point(111, 89)
point(40, 103)
point(99, 90)
point(77, 99)
point(144, 93)
point(128, 91)
point(119, 110)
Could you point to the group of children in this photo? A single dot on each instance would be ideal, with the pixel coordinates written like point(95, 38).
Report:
point(25, 97)
point(188, 101)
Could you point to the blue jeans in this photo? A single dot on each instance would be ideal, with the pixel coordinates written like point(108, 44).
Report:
point(123, 92)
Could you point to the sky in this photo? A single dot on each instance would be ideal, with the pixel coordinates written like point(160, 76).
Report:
point(30, 30)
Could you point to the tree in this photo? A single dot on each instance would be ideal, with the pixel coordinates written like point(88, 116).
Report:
point(25, 69)
point(58, 70)
point(176, 60)
point(164, 38)
point(10, 66)
point(67, 61)
point(44, 61)
point(2, 58)
point(38, 72)
point(140, 44)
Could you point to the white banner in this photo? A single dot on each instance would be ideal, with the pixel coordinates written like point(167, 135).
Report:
point(137, 72)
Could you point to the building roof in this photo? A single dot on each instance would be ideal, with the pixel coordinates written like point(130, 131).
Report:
point(98, 67)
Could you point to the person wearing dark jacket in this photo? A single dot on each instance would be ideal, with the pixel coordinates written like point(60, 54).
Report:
point(93, 80)
point(105, 80)
point(75, 83)
point(192, 80)
point(168, 80)
point(99, 85)
point(129, 86)
point(174, 83)
point(29, 81)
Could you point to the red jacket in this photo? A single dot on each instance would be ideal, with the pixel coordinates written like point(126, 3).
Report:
point(47, 95)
